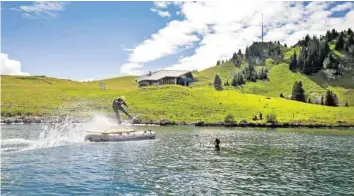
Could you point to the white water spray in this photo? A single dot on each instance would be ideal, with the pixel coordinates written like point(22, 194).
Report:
point(60, 134)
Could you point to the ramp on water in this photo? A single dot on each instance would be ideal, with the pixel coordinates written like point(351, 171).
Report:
point(118, 135)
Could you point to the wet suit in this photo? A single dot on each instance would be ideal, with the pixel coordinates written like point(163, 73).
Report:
point(117, 105)
point(217, 144)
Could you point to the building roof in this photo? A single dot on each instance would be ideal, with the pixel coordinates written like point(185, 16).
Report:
point(157, 75)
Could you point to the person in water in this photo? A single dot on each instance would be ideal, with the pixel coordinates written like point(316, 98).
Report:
point(118, 106)
point(217, 144)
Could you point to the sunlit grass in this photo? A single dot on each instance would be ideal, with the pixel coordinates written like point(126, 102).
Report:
point(290, 53)
point(42, 96)
point(336, 52)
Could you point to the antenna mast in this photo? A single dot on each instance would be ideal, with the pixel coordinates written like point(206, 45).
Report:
point(262, 27)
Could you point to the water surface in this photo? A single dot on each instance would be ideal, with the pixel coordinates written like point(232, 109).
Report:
point(37, 160)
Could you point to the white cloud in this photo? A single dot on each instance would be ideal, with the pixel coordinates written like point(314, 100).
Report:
point(343, 7)
point(222, 28)
point(165, 42)
point(164, 13)
point(44, 9)
point(128, 49)
point(131, 68)
point(162, 4)
point(10, 66)
point(161, 13)
point(159, 6)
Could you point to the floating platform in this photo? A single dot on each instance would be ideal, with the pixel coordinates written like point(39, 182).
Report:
point(118, 135)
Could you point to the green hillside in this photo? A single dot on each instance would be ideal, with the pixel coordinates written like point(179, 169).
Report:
point(225, 71)
point(39, 95)
point(281, 80)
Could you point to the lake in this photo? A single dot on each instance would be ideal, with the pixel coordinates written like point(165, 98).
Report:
point(41, 160)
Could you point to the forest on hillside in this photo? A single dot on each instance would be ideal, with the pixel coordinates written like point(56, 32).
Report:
point(332, 54)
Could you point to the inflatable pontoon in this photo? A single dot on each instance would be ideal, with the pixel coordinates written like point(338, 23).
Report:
point(119, 136)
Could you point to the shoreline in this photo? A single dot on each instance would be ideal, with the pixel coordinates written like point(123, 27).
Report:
point(166, 122)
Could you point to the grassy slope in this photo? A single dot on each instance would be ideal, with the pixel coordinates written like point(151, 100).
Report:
point(224, 71)
point(281, 80)
point(154, 103)
point(332, 47)
point(290, 52)
point(37, 95)
point(173, 102)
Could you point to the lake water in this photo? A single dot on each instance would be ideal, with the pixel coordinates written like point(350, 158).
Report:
point(39, 160)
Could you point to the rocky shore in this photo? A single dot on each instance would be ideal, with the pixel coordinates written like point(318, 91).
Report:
point(244, 123)
point(166, 122)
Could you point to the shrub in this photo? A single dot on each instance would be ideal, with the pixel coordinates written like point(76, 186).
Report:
point(271, 118)
point(226, 83)
point(238, 80)
point(229, 118)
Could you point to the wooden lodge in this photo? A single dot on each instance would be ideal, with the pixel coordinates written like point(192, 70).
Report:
point(162, 77)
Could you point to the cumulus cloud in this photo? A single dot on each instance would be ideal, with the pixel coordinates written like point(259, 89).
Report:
point(218, 29)
point(161, 13)
point(161, 44)
point(131, 68)
point(41, 9)
point(159, 6)
point(10, 66)
point(162, 4)
point(343, 7)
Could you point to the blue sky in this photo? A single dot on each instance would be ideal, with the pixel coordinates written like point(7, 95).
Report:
point(96, 40)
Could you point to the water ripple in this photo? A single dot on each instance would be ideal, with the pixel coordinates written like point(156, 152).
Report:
point(179, 163)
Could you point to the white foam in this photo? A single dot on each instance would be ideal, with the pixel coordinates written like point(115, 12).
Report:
point(15, 142)
point(60, 134)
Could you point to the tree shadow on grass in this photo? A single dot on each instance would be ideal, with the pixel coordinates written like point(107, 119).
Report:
point(344, 81)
